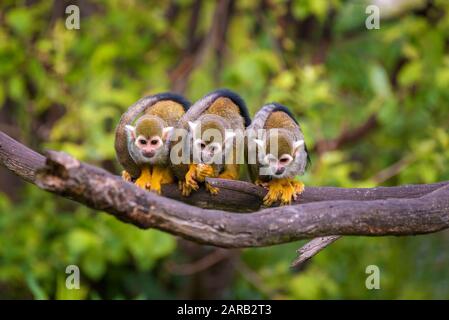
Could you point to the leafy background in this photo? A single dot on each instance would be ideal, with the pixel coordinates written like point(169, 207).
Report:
point(66, 89)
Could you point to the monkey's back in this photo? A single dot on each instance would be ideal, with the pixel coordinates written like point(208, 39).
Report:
point(168, 110)
point(280, 119)
point(227, 109)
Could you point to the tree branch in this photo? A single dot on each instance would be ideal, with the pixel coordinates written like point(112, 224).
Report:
point(348, 136)
point(202, 264)
point(312, 248)
point(424, 210)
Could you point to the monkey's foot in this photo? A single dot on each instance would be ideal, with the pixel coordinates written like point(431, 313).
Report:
point(203, 171)
point(299, 188)
point(126, 176)
point(273, 194)
point(279, 190)
point(190, 182)
point(261, 183)
point(213, 190)
point(184, 188)
point(287, 194)
point(144, 181)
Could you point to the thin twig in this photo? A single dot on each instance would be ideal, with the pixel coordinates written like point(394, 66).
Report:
point(392, 170)
point(200, 265)
point(254, 279)
point(347, 136)
point(312, 248)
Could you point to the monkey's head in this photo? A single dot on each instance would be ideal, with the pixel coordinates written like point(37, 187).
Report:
point(209, 139)
point(280, 154)
point(147, 140)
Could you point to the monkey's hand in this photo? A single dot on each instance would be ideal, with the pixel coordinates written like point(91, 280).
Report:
point(144, 181)
point(213, 190)
point(231, 172)
point(260, 183)
point(126, 176)
point(184, 188)
point(299, 188)
point(203, 171)
point(190, 182)
point(279, 190)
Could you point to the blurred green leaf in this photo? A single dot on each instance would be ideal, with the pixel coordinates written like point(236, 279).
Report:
point(20, 19)
point(36, 290)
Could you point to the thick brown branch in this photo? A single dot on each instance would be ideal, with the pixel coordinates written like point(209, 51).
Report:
point(19, 159)
point(101, 190)
point(236, 196)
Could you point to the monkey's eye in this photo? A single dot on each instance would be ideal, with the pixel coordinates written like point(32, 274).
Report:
point(284, 160)
point(154, 142)
point(202, 145)
point(143, 141)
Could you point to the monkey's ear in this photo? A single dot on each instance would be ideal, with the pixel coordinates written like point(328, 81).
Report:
point(131, 131)
point(259, 142)
point(296, 145)
point(192, 125)
point(166, 131)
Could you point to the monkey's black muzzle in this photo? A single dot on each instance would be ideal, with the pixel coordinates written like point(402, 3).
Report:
point(280, 171)
point(148, 154)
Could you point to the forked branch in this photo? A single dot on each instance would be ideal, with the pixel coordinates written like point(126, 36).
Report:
point(321, 211)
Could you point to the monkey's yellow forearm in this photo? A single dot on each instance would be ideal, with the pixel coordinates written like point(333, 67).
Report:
point(144, 181)
point(189, 182)
point(231, 172)
point(160, 175)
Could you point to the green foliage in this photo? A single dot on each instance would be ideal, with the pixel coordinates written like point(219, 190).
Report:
point(45, 236)
point(332, 72)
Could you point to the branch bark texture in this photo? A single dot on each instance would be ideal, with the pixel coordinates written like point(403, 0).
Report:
point(321, 211)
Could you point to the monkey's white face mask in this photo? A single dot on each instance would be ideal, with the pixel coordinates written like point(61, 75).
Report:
point(210, 148)
point(282, 166)
point(148, 150)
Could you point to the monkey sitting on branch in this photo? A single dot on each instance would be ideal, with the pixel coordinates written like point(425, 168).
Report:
point(212, 123)
point(142, 148)
point(276, 153)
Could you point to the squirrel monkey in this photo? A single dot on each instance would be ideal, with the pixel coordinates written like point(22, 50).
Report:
point(212, 123)
point(142, 149)
point(279, 153)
